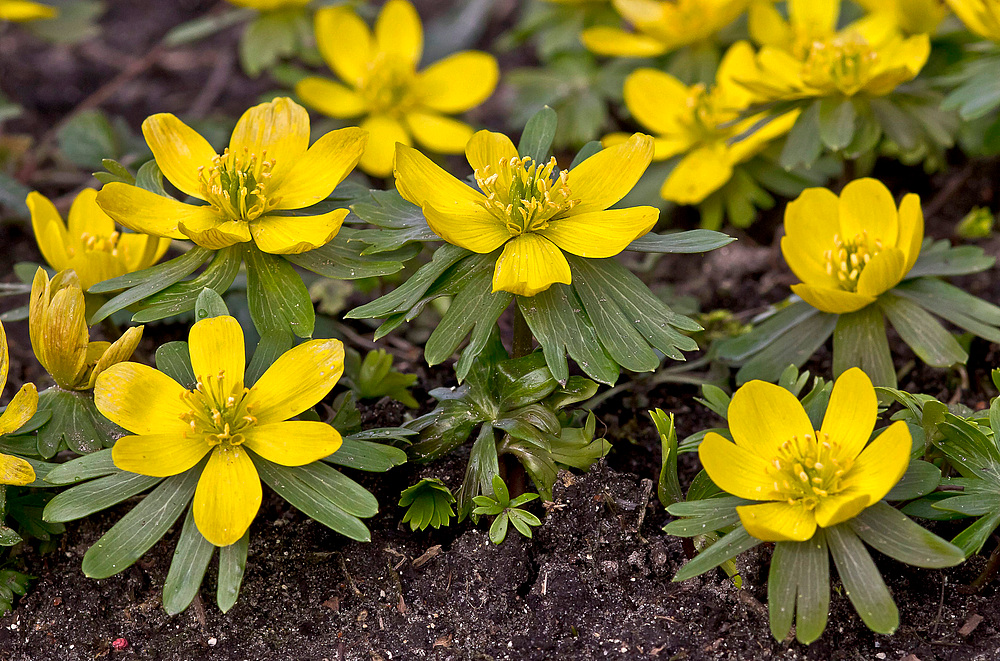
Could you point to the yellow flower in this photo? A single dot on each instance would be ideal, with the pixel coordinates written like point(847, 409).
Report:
point(533, 210)
point(848, 250)
point(810, 478)
point(806, 57)
point(23, 10)
point(662, 26)
point(980, 16)
point(14, 470)
point(699, 123)
point(269, 5)
point(268, 168)
point(382, 84)
point(175, 428)
point(60, 338)
point(910, 16)
point(90, 245)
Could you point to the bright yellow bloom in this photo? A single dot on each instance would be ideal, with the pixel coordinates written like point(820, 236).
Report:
point(90, 244)
point(811, 478)
point(60, 338)
point(980, 16)
point(175, 428)
point(910, 16)
point(23, 10)
point(699, 123)
point(806, 57)
point(269, 5)
point(268, 168)
point(849, 250)
point(534, 210)
point(14, 470)
point(382, 84)
point(662, 26)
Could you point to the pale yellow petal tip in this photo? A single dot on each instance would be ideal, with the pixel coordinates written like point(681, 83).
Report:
point(15, 471)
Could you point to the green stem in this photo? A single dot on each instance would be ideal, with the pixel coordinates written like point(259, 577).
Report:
point(523, 339)
point(511, 470)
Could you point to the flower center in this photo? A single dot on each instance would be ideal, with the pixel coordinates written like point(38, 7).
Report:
point(848, 258)
point(97, 243)
point(843, 61)
point(523, 195)
point(217, 411)
point(386, 86)
point(708, 114)
point(809, 469)
point(236, 184)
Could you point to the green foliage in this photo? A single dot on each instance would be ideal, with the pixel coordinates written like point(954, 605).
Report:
point(429, 503)
point(374, 377)
point(11, 583)
point(506, 510)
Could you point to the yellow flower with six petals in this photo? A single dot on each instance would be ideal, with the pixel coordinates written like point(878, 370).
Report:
point(661, 26)
point(980, 16)
point(848, 250)
point(24, 10)
point(89, 243)
point(699, 123)
point(533, 210)
point(382, 84)
point(810, 477)
point(175, 427)
point(57, 324)
point(14, 470)
point(268, 168)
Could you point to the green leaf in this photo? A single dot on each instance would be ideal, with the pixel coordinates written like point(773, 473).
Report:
point(794, 347)
point(143, 284)
point(940, 259)
point(174, 360)
point(290, 486)
point(138, 530)
point(928, 339)
point(972, 539)
point(400, 222)
point(704, 516)
point(344, 259)
point(668, 487)
point(268, 38)
point(859, 340)
point(72, 425)
point(205, 26)
point(483, 465)
point(739, 349)
point(955, 305)
point(87, 138)
point(803, 144)
point(474, 309)
point(862, 581)
point(96, 495)
point(727, 548)
point(272, 344)
point(366, 456)
point(798, 585)
point(691, 241)
point(277, 297)
point(893, 533)
point(187, 568)
point(209, 304)
point(182, 296)
point(836, 122)
point(536, 139)
point(429, 503)
point(232, 564)
point(95, 464)
point(336, 487)
point(498, 530)
point(920, 478)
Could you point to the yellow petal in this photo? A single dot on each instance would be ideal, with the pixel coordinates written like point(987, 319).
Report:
point(745, 149)
point(86, 217)
point(437, 133)
point(344, 41)
point(49, 230)
point(911, 230)
point(212, 231)
point(95, 266)
point(19, 411)
point(811, 221)
point(324, 165)
point(601, 233)
point(398, 32)
point(299, 379)
point(850, 416)
point(217, 350)
point(616, 42)
point(141, 399)
point(840, 507)
point(835, 301)
point(383, 134)
point(279, 128)
point(25, 10)
point(159, 455)
point(698, 175)
point(656, 100)
point(179, 150)
point(330, 98)
point(478, 232)
point(291, 235)
point(881, 465)
point(293, 443)
point(763, 416)
point(814, 17)
point(767, 27)
point(4, 352)
point(228, 496)
point(146, 212)
point(14, 470)
point(882, 273)
point(119, 351)
point(420, 181)
point(65, 336)
point(736, 470)
point(866, 206)
point(609, 175)
point(487, 149)
point(778, 522)
point(530, 264)
point(736, 65)
point(458, 82)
